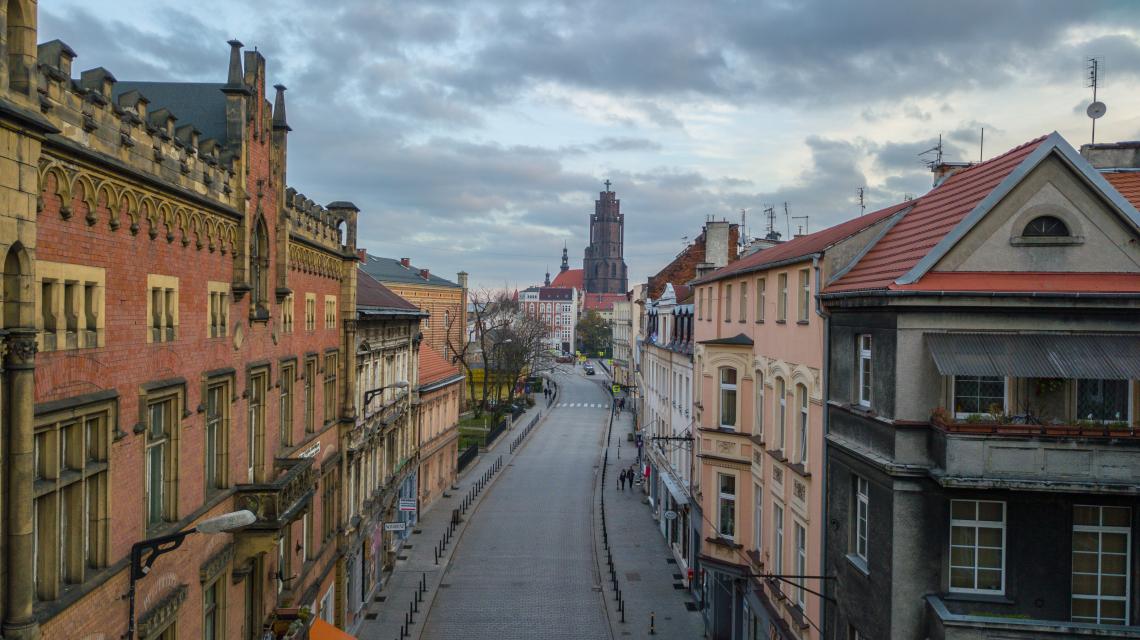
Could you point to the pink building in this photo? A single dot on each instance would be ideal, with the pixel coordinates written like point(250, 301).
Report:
point(759, 364)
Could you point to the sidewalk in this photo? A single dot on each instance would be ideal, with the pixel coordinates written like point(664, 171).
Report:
point(647, 575)
point(386, 614)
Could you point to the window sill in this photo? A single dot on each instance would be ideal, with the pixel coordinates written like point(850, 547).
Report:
point(800, 470)
point(859, 564)
point(778, 454)
point(1046, 241)
point(995, 598)
point(781, 322)
point(802, 322)
point(721, 541)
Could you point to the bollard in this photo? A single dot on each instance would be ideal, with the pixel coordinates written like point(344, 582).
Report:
point(621, 608)
point(652, 624)
point(416, 602)
point(436, 553)
point(423, 581)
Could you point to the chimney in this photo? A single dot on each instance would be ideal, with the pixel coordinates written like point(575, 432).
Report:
point(405, 262)
point(424, 273)
point(234, 79)
point(279, 121)
point(462, 276)
point(362, 255)
point(944, 170)
point(705, 268)
point(717, 243)
point(1112, 155)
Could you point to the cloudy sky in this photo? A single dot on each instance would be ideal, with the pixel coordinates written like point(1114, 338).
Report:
point(476, 134)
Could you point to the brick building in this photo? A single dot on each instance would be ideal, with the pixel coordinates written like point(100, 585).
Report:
point(557, 307)
point(603, 265)
point(174, 322)
point(716, 246)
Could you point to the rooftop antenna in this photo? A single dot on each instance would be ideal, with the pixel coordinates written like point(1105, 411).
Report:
point(862, 204)
point(787, 220)
point(982, 145)
point(803, 229)
point(937, 151)
point(1096, 109)
point(742, 237)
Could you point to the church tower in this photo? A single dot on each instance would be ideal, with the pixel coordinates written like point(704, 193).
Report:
point(604, 267)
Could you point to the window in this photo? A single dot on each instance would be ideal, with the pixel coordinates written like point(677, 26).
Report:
point(161, 465)
point(213, 618)
point(728, 398)
point(219, 309)
point(978, 394)
point(781, 414)
point(757, 516)
point(310, 391)
point(743, 301)
point(758, 410)
point(728, 303)
point(782, 298)
point(217, 435)
point(805, 294)
point(760, 282)
point(777, 539)
point(864, 347)
point(330, 312)
point(860, 514)
point(330, 387)
point(307, 536)
point(328, 504)
point(310, 311)
point(726, 505)
point(977, 546)
point(259, 268)
point(288, 374)
point(1102, 538)
point(162, 308)
point(700, 303)
point(70, 512)
point(801, 562)
point(287, 313)
point(709, 303)
point(802, 397)
point(1045, 227)
point(1102, 400)
point(70, 306)
point(255, 427)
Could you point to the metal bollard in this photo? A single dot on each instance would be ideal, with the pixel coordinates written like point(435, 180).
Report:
point(621, 608)
point(652, 624)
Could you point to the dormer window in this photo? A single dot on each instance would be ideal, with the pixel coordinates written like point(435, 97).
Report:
point(1045, 227)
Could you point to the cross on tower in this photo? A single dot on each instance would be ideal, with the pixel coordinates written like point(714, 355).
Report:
point(607, 183)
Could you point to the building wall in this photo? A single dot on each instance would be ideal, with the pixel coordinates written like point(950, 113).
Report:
point(447, 310)
point(438, 415)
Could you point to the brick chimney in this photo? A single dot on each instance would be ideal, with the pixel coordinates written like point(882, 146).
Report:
point(405, 262)
point(424, 273)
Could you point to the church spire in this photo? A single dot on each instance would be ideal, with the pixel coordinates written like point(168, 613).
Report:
point(565, 259)
point(547, 282)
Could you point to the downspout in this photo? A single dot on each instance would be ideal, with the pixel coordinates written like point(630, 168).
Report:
point(826, 316)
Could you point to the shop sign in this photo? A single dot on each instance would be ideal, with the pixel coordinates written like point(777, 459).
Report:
point(395, 526)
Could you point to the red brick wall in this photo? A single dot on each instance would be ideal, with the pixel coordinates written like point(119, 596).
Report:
point(683, 268)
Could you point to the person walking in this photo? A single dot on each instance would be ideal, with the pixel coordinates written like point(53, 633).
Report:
point(621, 480)
point(624, 478)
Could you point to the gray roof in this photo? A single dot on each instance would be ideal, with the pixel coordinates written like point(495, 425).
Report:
point(201, 104)
point(738, 340)
point(389, 270)
point(1036, 355)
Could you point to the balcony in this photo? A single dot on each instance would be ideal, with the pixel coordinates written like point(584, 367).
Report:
point(953, 621)
point(279, 501)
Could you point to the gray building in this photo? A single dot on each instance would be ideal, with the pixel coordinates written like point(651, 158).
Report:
point(983, 459)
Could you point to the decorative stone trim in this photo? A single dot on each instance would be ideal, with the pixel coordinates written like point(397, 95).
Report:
point(216, 564)
point(162, 614)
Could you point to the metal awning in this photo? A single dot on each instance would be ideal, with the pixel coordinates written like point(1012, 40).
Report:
point(679, 496)
point(1037, 355)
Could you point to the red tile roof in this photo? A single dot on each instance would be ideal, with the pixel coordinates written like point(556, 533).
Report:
point(572, 278)
point(371, 294)
point(1127, 183)
point(803, 246)
point(933, 216)
point(434, 367)
point(601, 301)
point(1019, 282)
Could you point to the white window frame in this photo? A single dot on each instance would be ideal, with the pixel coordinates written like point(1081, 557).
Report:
point(800, 535)
point(805, 296)
point(862, 517)
point(1101, 529)
point(954, 395)
point(803, 423)
point(977, 524)
point(724, 498)
point(781, 413)
point(758, 410)
point(733, 387)
point(757, 516)
point(778, 539)
point(865, 345)
point(782, 297)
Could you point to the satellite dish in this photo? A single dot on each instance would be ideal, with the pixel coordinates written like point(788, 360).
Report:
point(1096, 110)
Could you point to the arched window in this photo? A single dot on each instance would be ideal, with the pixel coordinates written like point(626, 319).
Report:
point(802, 400)
point(259, 266)
point(781, 413)
point(728, 398)
point(17, 301)
point(613, 270)
point(1046, 227)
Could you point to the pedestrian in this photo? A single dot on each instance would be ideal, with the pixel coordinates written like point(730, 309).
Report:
point(621, 480)
point(625, 478)
point(632, 474)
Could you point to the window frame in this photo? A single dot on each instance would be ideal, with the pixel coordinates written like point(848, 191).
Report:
point(286, 400)
point(965, 414)
point(726, 505)
point(861, 530)
point(758, 409)
point(725, 388)
point(217, 609)
point(977, 524)
point(743, 301)
point(761, 291)
point(778, 539)
point(728, 302)
point(782, 297)
point(257, 383)
point(803, 422)
point(1100, 529)
point(781, 409)
point(220, 476)
point(804, 311)
point(799, 537)
point(864, 349)
point(173, 396)
point(1128, 390)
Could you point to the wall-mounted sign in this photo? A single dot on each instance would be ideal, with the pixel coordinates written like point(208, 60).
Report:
point(395, 526)
point(670, 515)
point(407, 504)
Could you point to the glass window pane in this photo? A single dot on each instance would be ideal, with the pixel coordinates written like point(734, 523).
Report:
point(988, 537)
point(1085, 515)
point(1117, 516)
point(1084, 562)
point(991, 511)
point(962, 556)
point(1084, 608)
point(1112, 586)
point(1113, 610)
point(989, 558)
point(989, 579)
point(962, 578)
point(1084, 584)
point(1084, 541)
point(962, 536)
point(1113, 542)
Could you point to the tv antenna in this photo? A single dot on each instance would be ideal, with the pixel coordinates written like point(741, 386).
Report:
point(1095, 79)
point(787, 219)
point(804, 229)
point(743, 235)
point(937, 151)
point(770, 214)
point(862, 204)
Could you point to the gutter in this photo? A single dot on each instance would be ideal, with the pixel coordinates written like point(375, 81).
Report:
point(893, 293)
point(760, 267)
point(823, 313)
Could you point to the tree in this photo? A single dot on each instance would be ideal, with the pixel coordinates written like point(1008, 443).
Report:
point(595, 334)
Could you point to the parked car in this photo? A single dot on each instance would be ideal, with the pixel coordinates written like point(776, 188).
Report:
point(588, 368)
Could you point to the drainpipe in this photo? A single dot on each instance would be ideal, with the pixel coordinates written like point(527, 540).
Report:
point(826, 316)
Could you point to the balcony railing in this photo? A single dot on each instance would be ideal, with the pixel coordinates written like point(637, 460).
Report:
point(275, 503)
point(1001, 425)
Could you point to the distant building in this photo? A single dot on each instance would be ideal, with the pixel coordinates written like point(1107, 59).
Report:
point(557, 307)
point(604, 265)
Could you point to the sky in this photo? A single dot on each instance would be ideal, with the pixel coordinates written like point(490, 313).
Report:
point(475, 135)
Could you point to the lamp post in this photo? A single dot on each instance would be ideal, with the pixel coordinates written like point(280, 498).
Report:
point(372, 393)
point(145, 552)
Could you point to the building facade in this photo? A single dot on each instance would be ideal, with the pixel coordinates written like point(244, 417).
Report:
point(175, 320)
point(437, 418)
point(622, 344)
point(603, 266)
point(981, 398)
point(382, 448)
point(557, 307)
point(760, 399)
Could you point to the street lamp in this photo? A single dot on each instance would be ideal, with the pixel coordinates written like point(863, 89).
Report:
point(372, 393)
point(144, 553)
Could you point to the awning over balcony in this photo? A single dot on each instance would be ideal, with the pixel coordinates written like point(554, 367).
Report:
point(679, 496)
point(1036, 355)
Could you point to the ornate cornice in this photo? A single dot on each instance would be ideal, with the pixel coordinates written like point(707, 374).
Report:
point(163, 613)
